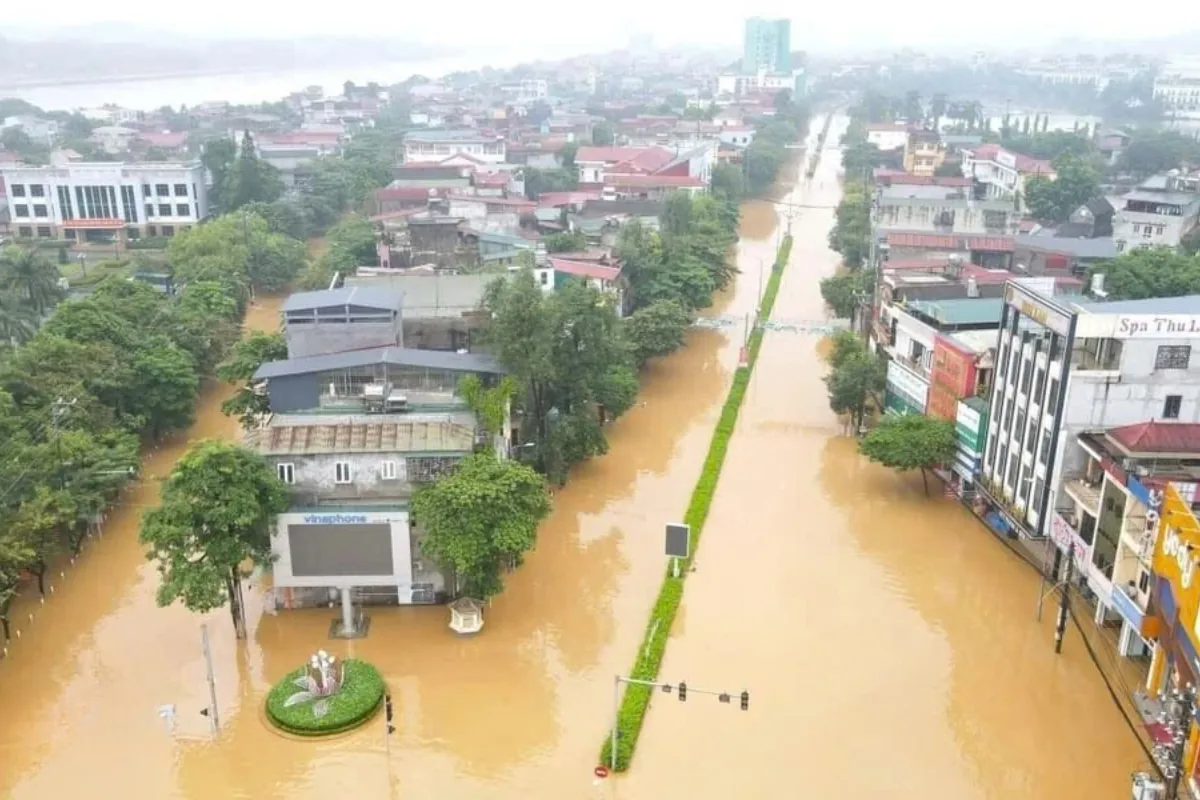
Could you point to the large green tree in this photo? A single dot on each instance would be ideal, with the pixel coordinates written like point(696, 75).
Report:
point(256, 349)
point(911, 441)
point(851, 232)
point(1055, 199)
point(28, 274)
point(656, 330)
point(480, 520)
point(844, 291)
point(1150, 272)
point(240, 251)
point(212, 525)
point(250, 179)
point(851, 384)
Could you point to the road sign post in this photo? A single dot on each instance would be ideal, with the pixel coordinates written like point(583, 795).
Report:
point(678, 544)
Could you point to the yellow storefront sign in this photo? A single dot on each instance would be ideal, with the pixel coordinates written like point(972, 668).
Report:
point(1177, 555)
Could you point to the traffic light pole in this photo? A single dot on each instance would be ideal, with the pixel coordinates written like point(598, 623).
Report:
point(683, 690)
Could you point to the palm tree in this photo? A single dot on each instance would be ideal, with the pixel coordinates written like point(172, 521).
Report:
point(18, 320)
point(31, 276)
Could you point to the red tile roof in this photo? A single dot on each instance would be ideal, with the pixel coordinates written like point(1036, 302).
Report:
point(491, 179)
point(606, 155)
point(169, 140)
point(652, 181)
point(649, 160)
point(1157, 437)
point(559, 199)
point(584, 269)
point(940, 241)
point(405, 193)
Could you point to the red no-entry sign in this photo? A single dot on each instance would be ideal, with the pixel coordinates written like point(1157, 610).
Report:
point(601, 771)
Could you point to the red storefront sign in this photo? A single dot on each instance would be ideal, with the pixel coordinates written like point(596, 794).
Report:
point(942, 404)
point(953, 368)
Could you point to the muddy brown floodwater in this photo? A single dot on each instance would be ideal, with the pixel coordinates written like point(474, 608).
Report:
point(888, 641)
point(517, 712)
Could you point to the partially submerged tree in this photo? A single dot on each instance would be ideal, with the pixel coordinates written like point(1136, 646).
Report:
point(256, 349)
point(911, 441)
point(212, 526)
point(480, 520)
point(656, 330)
point(858, 377)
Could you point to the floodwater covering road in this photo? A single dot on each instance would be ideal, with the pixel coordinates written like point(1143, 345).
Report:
point(517, 712)
point(888, 641)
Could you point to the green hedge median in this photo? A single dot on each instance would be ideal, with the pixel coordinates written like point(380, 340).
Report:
point(650, 654)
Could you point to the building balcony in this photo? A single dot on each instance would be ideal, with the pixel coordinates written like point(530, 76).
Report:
point(1086, 493)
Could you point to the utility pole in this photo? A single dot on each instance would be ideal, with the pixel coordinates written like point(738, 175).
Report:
point(1179, 709)
point(682, 691)
point(1064, 604)
point(388, 730)
point(212, 683)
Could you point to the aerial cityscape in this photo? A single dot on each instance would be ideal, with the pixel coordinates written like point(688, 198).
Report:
point(683, 419)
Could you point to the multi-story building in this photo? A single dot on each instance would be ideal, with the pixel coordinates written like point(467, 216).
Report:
point(767, 46)
point(103, 201)
point(1069, 369)
point(924, 152)
point(357, 424)
point(1160, 212)
point(1177, 87)
point(444, 146)
point(887, 135)
point(1000, 172)
point(942, 209)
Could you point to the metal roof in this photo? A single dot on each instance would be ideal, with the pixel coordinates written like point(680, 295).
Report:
point(1187, 304)
point(961, 311)
point(397, 356)
point(385, 434)
point(366, 296)
point(1102, 247)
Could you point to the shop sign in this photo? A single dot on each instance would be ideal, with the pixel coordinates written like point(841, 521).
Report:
point(953, 368)
point(1174, 547)
point(902, 382)
point(969, 427)
point(1037, 309)
point(1144, 326)
point(1068, 540)
point(1125, 606)
point(942, 404)
point(335, 519)
point(896, 403)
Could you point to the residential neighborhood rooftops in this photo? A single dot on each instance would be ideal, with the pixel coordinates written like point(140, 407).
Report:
point(1024, 163)
point(396, 356)
point(1102, 247)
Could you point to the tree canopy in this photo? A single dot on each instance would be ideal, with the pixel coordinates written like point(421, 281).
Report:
point(214, 518)
point(1055, 199)
point(911, 441)
point(480, 519)
point(856, 375)
point(1150, 272)
point(240, 251)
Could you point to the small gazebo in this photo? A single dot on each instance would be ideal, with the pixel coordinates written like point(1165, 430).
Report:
point(466, 616)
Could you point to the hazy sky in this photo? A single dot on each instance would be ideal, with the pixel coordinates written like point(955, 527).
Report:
point(494, 27)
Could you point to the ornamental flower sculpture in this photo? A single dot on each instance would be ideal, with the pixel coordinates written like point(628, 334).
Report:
point(322, 679)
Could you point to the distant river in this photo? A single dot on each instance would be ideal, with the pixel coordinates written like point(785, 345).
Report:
point(253, 87)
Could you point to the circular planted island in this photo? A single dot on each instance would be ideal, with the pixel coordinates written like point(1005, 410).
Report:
point(325, 696)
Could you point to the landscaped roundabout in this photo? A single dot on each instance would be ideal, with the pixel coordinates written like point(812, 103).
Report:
point(325, 696)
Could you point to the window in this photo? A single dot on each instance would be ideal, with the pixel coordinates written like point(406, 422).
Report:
point(17, 190)
point(1019, 427)
point(1001, 363)
point(39, 210)
point(1052, 397)
point(129, 205)
point(181, 190)
point(1171, 407)
point(341, 472)
point(64, 203)
point(164, 209)
point(286, 472)
point(1044, 456)
point(182, 209)
point(1035, 499)
point(25, 232)
point(21, 211)
point(145, 190)
point(1012, 468)
point(37, 190)
point(387, 470)
point(1173, 356)
point(162, 190)
point(1144, 582)
point(168, 230)
point(149, 210)
point(1008, 407)
point(544, 277)
point(1022, 486)
point(1026, 374)
point(43, 232)
point(1039, 383)
point(1147, 231)
point(1031, 440)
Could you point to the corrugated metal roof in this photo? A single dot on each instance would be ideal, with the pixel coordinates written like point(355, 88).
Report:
point(385, 435)
point(1145, 438)
point(366, 296)
point(398, 356)
point(1186, 304)
point(961, 311)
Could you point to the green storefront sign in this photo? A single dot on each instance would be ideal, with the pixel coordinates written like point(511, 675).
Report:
point(970, 426)
point(895, 403)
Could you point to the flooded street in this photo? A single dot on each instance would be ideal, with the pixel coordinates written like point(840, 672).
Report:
point(516, 713)
point(888, 641)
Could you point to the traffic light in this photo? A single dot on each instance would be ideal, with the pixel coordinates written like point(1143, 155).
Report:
point(745, 701)
point(388, 713)
point(682, 691)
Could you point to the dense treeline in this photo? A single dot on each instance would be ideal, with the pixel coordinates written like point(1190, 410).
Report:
point(767, 153)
